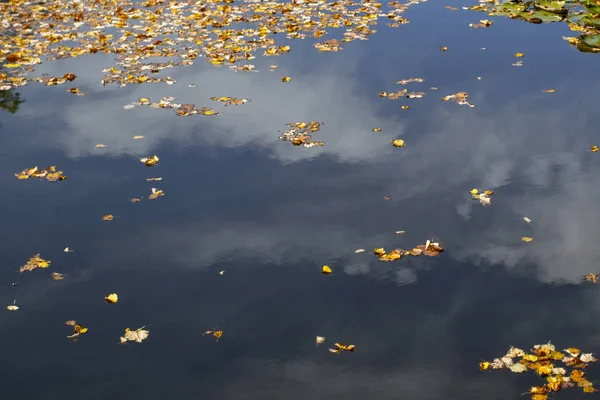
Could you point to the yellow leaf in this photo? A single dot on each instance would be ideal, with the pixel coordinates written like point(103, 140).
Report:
point(326, 270)
point(285, 79)
point(594, 149)
point(443, 48)
point(376, 129)
point(526, 239)
point(530, 357)
point(112, 298)
point(484, 365)
point(474, 191)
point(107, 217)
point(398, 143)
point(138, 137)
point(519, 55)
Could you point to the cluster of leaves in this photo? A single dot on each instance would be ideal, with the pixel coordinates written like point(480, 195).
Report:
point(35, 262)
point(461, 98)
point(582, 16)
point(431, 249)
point(217, 333)
point(484, 196)
point(78, 330)
point(550, 364)
point(221, 32)
point(230, 101)
point(300, 133)
point(181, 110)
point(50, 173)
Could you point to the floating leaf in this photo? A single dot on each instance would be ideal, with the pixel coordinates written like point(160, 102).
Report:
point(112, 298)
point(339, 347)
point(150, 161)
point(285, 79)
point(138, 335)
point(526, 239)
point(398, 143)
point(57, 277)
point(35, 262)
point(591, 277)
point(13, 306)
point(326, 270)
point(216, 333)
point(108, 217)
point(320, 339)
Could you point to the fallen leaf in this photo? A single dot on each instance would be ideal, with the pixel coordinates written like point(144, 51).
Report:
point(112, 298)
point(528, 220)
point(68, 250)
point(398, 143)
point(13, 306)
point(57, 277)
point(591, 277)
point(359, 251)
point(342, 347)
point(285, 79)
point(519, 55)
point(320, 339)
point(594, 149)
point(443, 48)
point(78, 330)
point(150, 161)
point(138, 335)
point(326, 270)
point(100, 146)
point(216, 333)
point(549, 90)
point(376, 129)
point(526, 239)
point(35, 262)
point(138, 137)
point(135, 200)
point(221, 272)
point(108, 217)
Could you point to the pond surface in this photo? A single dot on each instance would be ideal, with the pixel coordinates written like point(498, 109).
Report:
point(270, 215)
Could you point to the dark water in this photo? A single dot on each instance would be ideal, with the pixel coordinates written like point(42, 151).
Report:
point(270, 214)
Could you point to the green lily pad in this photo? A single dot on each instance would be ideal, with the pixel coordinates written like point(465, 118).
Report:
point(589, 20)
point(589, 43)
point(552, 6)
point(510, 8)
point(540, 16)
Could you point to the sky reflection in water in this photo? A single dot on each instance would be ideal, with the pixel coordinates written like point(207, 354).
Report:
point(270, 214)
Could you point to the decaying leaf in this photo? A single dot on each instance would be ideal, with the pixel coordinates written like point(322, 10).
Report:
point(135, 200)
point(57, 277)
point(484, 196)
point(484, 23)
point(526, 239)
point(150, 161)
point(326, 270)
point(591, 277)
point(108, 217)
point(35, 262)
point(319, 340)
point(111, 298)
point(594, 149)
point(138, 335)
point(443, 48)
point(215, 332)
point(285, 79)
point(339, 347)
